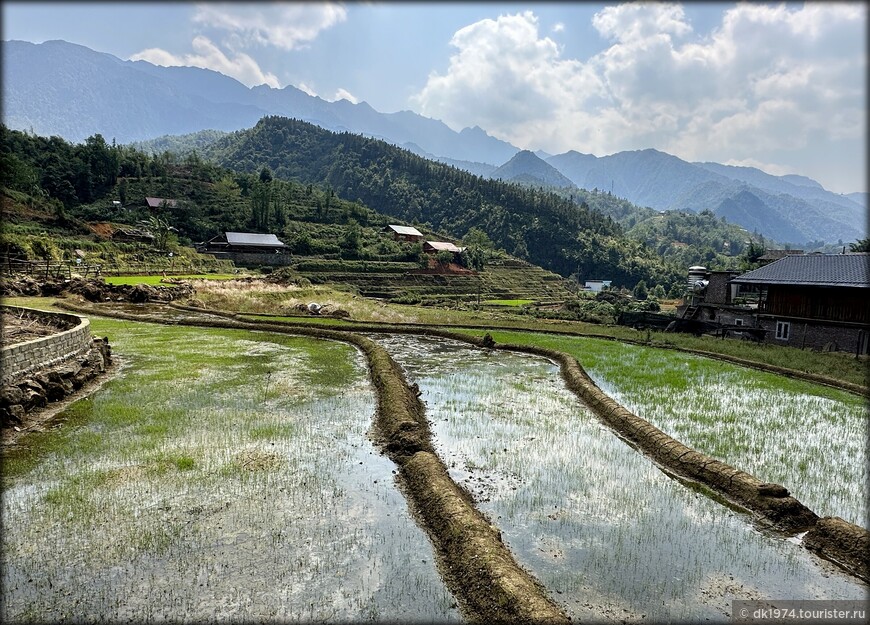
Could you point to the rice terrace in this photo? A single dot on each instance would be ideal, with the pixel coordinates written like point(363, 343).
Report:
point(393, 312)
point(237, 465)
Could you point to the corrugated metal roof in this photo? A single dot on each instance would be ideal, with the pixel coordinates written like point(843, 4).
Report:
point(249, 238)
point(847, 270)
point(444, 246)
point(157, 202)
point(407, 230)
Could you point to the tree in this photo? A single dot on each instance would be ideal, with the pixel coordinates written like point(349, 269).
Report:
point(265, 174)
point(444, 258)
point(472, 257)
point(160, 229)
point(640, 290)
point(861, 245)
point(479, 238)
point(351, 242)
point(753, 252)
point(122, 191)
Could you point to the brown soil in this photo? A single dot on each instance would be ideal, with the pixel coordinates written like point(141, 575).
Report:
point(844, 543)
point(104, 230)
point(19, 328)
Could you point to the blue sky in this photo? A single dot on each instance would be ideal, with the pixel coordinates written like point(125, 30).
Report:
point(779, 86)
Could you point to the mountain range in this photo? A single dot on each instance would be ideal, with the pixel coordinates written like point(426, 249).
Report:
point(64, 89)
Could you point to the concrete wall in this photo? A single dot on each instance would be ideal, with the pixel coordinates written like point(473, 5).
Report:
point(23, 358)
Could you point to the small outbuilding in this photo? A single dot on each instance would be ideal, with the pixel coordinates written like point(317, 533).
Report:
point(597, 285)
point(433, 247)
point(160, 202)
point(404, 233)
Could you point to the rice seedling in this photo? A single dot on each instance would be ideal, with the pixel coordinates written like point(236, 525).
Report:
point(811, 439)
point(226, 475)
point(607, 533)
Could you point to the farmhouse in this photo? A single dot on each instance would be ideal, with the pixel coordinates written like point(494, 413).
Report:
point(404, 233)
point(433, 247)
point(247, 248)
point(245, 242)
point(817, 301)
point(596, 285)
point(160, 202)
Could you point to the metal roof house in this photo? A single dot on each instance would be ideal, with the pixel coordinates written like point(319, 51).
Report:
point(248, 248)
point(404, 233)
point(246, 242)
point(818, 301)
point(160, 202)
point(433, 247)
point(596, 285)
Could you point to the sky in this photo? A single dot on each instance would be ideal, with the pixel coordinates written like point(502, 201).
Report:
point(778, 86)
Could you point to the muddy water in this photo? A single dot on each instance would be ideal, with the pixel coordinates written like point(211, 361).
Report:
point(608, 534)
point(190, 489)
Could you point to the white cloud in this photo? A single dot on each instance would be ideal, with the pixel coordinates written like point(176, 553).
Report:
point(344, 94)
point(558, 27)
point(304, 87)
point(208, 56)
point(768, 80)
point(285, 25)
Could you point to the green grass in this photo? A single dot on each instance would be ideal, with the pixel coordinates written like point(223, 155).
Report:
point(507, 302)
point(835, 365)
point(155, 280)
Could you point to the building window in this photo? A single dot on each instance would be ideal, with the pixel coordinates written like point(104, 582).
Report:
point(782, 330)
point(738, 322)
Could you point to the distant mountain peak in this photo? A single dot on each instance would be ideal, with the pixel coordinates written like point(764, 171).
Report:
point(528, 168)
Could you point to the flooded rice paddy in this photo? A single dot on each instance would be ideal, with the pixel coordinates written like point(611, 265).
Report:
point(809, 438)
point(607, 533)
point(224, 475)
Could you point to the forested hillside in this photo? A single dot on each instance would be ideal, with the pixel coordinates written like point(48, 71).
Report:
point(328, 193)
point(535, 225)
point(63, 187)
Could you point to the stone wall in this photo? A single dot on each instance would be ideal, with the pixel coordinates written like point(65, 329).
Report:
point(810, 335)
point(47, 369)
point(23, 358)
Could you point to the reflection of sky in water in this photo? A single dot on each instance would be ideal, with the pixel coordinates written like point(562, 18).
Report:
point(320, 534)
point(815, 444)
point(607, 532)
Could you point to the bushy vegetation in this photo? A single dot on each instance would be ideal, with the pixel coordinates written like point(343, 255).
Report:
point(542, 227)
point(330, 195)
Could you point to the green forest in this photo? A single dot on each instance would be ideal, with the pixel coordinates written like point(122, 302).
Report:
point(331, 193)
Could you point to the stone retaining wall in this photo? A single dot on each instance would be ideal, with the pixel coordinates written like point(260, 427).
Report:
point(19, 360)
point(50, 368)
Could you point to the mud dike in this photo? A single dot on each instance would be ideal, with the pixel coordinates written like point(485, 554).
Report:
point(478, 568)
